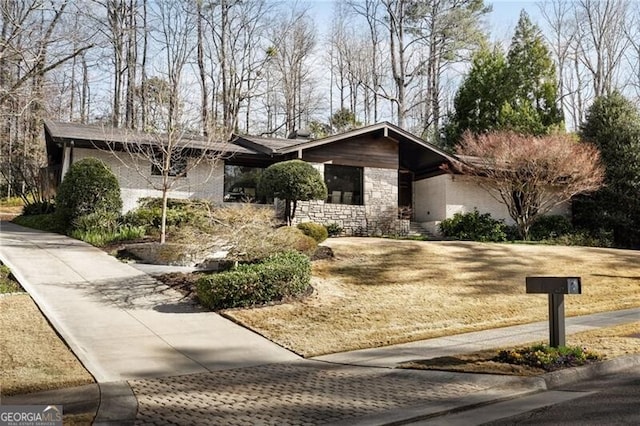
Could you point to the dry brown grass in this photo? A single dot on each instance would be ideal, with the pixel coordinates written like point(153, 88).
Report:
point(609, 342)
point(379, 292)
point(32, 356)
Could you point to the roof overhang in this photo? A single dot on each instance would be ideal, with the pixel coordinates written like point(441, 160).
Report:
point(416, 154)
point(58, 134)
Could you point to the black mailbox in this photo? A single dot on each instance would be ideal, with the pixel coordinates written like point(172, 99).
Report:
point(556, 288)
point(554, 285)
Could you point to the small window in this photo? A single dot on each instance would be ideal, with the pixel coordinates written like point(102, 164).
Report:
point(344, 184)
point(241, 184)
point(177, 167)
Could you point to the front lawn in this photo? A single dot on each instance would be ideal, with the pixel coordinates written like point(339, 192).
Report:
point(32, 356)
point(379, 292)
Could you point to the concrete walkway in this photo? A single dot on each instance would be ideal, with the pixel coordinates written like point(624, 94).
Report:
point(160, 360)
point(121, 323)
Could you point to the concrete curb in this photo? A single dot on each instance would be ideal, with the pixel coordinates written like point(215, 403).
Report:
point(520, 387)
point(560, 378)
point(118, 404)
point(74, 400)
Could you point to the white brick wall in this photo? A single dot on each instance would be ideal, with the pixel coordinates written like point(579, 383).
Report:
point(440, 197)
point(205, 181)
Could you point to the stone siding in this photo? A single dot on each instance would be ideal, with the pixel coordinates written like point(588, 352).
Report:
point(378, 215)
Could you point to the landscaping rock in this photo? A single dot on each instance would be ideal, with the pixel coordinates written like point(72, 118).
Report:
point(167, 254)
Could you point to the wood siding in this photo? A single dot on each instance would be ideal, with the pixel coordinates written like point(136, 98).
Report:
point(364, 151)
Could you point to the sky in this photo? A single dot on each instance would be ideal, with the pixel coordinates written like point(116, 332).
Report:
point(505, 14)
point(501, 22)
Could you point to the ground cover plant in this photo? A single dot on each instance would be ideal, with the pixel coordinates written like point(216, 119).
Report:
point(546, 357)
point(7, 283)
point(529, 360)
point(379, 292)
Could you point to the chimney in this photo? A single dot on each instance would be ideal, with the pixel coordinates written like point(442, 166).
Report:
point(300, 134)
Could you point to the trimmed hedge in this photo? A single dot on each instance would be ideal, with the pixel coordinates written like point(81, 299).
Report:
point(279, 276)
point(316, 231)
point(474, 226)
point(88, 187)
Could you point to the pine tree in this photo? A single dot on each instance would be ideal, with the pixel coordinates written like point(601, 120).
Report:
point(531, 80)
point(517, 93)
point(480, 97)
point(613, 125)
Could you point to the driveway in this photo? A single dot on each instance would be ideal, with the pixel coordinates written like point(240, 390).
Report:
point(121, 323)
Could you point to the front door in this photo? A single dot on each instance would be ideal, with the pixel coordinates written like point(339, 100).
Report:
point(405, 193)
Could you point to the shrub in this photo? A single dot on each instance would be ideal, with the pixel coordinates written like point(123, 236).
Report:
point(333, 229)
point(279, 276)
point(287, 238)
point(102, 238)
point(474, 226)
point(253, 233)
point(38, 207)
point(100, 221)
point(102, 228)
point(179, 213)
point(89, 186)
point(548, 358)
point(584, 239)
point(316, 231)
point(548, 227)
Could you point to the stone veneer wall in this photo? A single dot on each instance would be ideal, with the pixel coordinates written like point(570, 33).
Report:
point(378, 215)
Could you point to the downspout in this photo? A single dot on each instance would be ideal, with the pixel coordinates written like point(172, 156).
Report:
point(67, 159)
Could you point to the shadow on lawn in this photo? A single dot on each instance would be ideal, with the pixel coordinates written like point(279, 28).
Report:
point(471, 268)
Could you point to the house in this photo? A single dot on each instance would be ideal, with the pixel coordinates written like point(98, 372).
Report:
point(379, 177)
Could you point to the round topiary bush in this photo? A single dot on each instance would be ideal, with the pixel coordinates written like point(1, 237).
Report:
point(317, 231)
point(88, 187)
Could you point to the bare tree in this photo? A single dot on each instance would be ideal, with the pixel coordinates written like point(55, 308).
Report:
point(167, 149)
point(293, 40)
point(602, 40)
point(33, 42)
point(632, 32)
point(530, 175)
point(369, 9)
point(232, 55)
point(424, 40)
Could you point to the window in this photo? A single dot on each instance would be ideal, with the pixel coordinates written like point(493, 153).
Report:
point(241, 184)
point(344, 184)
point(177, 167)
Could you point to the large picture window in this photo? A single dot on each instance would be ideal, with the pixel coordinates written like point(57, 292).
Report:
point(344, 184)
point(241, 184)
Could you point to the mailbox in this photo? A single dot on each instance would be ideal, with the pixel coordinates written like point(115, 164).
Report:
point(556, 288)
point(554, 285)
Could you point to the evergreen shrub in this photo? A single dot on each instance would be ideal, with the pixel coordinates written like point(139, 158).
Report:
point(280, 276)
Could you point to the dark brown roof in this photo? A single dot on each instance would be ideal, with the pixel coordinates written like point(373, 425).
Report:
point(264, 144)
point(97, 136)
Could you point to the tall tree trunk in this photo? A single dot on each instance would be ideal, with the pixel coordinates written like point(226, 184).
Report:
point(204, 91)
point(131, 64)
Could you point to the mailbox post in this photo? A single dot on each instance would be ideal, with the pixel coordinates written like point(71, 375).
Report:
point(556, 288)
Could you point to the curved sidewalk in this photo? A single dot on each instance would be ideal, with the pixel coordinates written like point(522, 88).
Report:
point(121, 323)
